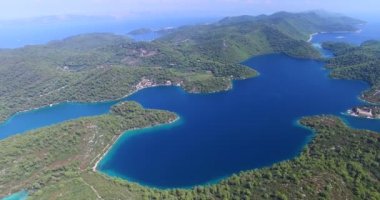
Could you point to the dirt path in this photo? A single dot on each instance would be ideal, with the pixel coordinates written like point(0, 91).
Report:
point(92, 188)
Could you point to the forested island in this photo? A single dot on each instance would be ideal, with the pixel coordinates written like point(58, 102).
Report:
point(201, 58)
point(58, 161)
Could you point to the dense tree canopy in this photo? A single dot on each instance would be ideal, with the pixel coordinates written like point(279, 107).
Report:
point(357, 62)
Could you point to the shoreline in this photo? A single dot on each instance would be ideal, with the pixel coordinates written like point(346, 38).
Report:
point(135, 90)
point(311, 36)
point(108, 147)
point(79, 102)
point(349, 112)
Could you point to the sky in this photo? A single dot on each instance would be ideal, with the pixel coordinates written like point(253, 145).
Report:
point(19, 9)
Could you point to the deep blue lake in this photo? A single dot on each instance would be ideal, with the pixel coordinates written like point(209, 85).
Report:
point(251, 126)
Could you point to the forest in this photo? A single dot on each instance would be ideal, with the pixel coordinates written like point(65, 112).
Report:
point(357, 63)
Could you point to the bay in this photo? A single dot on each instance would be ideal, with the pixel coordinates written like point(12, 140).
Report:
point(252, 126)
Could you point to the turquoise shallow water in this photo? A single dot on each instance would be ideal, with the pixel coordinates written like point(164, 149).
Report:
point(251, 126)
point(22, 195)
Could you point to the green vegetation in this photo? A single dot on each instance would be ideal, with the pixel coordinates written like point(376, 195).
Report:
point(201, 58)
point(56, 162)
point(375, 110)
point(359, 63)
point(238, 38)
point(50, 155)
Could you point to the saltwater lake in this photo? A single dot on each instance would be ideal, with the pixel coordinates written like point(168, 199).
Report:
point(251, 126)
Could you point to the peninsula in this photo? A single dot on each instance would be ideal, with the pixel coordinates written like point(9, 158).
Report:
point(357, 63)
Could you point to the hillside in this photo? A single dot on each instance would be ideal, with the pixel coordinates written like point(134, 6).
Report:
point(238, 38)
point(204, 58)
point(359, 63)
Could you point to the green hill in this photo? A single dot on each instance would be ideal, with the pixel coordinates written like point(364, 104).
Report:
point(238, 38)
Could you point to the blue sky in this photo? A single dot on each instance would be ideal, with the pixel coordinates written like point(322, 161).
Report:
point(11, 9)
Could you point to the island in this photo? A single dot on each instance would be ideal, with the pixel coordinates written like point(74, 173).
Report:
point(140, 31)
point(60, 161)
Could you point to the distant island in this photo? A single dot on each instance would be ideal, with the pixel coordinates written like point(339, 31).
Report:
point(140, 31)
